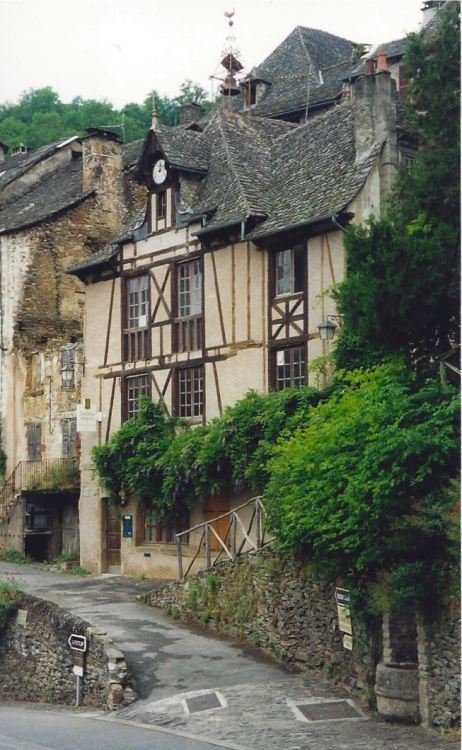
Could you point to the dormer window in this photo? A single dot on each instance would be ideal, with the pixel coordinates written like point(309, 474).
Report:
point(250, 93)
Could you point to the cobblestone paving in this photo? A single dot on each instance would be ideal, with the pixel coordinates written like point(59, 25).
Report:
point(262, 717)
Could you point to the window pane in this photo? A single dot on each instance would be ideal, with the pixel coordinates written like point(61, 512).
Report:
point(191, 392)
point(189, 289)
point(136, 386)
point(284, 272)
point(137, 302)
point(290, 368)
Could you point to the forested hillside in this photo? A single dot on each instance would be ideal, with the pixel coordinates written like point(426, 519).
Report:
point(40, 117)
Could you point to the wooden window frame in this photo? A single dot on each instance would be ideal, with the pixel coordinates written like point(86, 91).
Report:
point(31, 455)
point(295, 381)
point(296, 275)
point(161, 205)
point(144, 300)
point(127, 412)
point(188, 327)
point(152, 531)
point(196, 407)
point(136, 339)
point(69, 423)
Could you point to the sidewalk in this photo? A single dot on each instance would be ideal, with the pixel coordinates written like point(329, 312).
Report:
point(197, 683)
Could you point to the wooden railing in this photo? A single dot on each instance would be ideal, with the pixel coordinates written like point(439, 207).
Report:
point(238, 537)
point(46, 474)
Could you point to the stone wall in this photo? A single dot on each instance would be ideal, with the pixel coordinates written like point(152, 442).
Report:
point(439, 667)
point(278, 605)
point(36, 662)
point(282, 607)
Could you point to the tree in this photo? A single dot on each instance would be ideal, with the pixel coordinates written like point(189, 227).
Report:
point(401, 291)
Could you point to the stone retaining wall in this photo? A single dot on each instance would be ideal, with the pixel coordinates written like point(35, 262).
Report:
point(36, 662)
point(280, 606)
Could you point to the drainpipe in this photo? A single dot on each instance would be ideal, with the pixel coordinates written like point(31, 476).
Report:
point(339, 226)
point(242, 230)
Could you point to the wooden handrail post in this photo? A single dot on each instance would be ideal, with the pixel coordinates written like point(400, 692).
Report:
point(258, 525)
point(208, 560)
point(180, 558)
point(234, 537)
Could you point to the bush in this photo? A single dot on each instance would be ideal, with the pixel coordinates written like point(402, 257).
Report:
point(9, 598)
point(361, 489)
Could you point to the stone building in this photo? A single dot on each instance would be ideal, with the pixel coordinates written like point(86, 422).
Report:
point(222, 283)
point(57, 205)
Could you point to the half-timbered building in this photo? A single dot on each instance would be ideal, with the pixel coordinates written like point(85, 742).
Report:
point(219, 285)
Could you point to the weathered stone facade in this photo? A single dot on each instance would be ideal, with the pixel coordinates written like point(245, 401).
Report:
point(36, 662)
point(57, 206)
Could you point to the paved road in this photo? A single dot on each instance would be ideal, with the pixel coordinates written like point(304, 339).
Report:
point(27, 727)
point(192, 682)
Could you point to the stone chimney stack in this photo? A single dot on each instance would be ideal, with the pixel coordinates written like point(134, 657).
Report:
point(103, 170)
point(191, 112)
point(376, 121)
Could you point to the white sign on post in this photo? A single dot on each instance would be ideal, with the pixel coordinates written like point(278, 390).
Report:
point(77, 642)
point(86, 419)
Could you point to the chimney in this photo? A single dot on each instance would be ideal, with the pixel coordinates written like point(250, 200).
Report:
point(381, 61)
point(370, 68)
point(375, 122)
point(103, 170)
point(3, 150)
point(191, 112)
point(429, 9)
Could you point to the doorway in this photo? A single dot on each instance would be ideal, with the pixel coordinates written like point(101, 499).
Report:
point(113, 537)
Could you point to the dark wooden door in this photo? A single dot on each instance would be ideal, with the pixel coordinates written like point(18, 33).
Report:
point(213, 507)
point(113, 534)
point(34, 441)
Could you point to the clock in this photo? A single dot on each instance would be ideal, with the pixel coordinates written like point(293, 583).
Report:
point(159, 172)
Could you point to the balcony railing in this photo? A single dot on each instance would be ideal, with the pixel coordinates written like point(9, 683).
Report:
point(137, 345)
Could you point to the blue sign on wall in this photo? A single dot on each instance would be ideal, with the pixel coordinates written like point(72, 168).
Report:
point(127, 527)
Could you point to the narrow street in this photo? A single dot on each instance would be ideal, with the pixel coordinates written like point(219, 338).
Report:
point(198, 685)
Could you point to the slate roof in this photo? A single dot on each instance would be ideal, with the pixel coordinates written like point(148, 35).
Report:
point(51, 193)
point(287, 68)
point(17, 165)
point(184, 148)
point(395, 48)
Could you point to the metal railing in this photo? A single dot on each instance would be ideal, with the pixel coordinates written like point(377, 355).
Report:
point(45, 474)
point(238, 536)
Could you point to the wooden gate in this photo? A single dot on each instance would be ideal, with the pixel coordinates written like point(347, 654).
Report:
point(113, 536)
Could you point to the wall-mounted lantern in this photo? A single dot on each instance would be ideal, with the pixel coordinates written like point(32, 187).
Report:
point(328, 327)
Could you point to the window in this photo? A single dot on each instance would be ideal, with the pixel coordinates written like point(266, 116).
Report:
point(137, 386)
point(162, 533)
point(290, 367)
point(191, 392)
point(34, 441)
point(189, 289)
point(69, 428)
point(289, 267)
point(408, 160)
point(161, 205)
point(68, 365)
point(250, 93)
point(137, 302)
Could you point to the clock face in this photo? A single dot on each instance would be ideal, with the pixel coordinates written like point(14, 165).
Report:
point(159, 172)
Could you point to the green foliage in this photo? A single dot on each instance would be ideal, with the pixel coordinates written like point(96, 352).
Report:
point(40, 117)
point(130, 462)
point(2, 462)
point(9, 599)
point(171, 465)
point(11, 555)
point(401, 292)
point(361, 490)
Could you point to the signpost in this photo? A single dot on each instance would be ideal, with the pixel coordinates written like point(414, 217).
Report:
point(78, 643)
point(342, 597)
